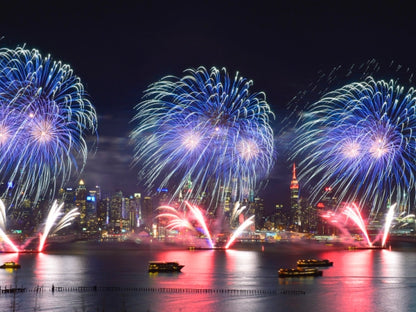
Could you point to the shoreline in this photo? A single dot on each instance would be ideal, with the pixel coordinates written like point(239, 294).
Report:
point(312, 245)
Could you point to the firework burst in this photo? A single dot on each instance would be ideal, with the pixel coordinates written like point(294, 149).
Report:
point(205, 127)
point(360, 141)
point(45, 118)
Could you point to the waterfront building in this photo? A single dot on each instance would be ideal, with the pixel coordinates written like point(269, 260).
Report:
point(115, 216)
point(258, 205)
point(279, 217)
point(308, 216)
point(81, 204)
point(135, 211)
point(68, 198)
point(103, 207)
point(91, 220)
point(328, 202)
point(147, 213)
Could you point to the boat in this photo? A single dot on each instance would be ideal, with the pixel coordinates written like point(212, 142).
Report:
point(299, 272)
point(161, 266)
point(206, 248)
point(366, 247)
point(10, 265)
point(314, 263)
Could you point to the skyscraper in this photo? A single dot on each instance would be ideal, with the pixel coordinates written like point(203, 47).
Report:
point(81, 203)
point(116, 210)
point(294, 200)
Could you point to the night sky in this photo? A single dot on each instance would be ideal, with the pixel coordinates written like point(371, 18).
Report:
point(119, 48)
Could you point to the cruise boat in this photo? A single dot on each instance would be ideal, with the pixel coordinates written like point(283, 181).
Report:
point(314, 263)
point(161, 266)
point(366, 247)
point(10, 265)
point(206, 248)
point(299, 272)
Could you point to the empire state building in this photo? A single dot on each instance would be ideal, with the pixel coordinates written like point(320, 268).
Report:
point(294, 200)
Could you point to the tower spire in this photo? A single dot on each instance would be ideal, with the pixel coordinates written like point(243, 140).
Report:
point(294, 183)
point(294, 202)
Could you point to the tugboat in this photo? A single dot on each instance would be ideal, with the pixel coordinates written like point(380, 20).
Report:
point(314, 263)
point(161, 266)
point(10, 265)
point(299, 272)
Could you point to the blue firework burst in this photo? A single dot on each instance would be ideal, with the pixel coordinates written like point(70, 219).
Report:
point(360, 141)
point(205, 127)
point(46, 117)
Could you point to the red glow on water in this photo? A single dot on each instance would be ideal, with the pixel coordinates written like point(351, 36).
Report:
point(353, 270)
point(199, 273)
point(42, 240)
point(178, 220)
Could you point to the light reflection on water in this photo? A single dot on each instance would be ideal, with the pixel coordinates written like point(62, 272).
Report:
point(360, 280)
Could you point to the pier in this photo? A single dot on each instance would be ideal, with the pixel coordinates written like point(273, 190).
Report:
point(94, 288)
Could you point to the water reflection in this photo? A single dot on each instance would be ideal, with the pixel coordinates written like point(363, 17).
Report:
point(360, 280)
point(49, 269)
point(392, 264)
point(9, 277)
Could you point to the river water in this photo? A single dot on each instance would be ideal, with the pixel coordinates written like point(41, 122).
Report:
point(91, 277)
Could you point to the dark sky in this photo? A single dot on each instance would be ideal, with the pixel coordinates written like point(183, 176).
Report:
point(118, 48)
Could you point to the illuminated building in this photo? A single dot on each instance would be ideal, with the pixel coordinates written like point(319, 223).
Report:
point(116, 208)
point(147, 212)
point(227, 200)
point(259, 212)
point(294, 201)
point(308, 216)
point(135, 211)
point(103, 208)
point(278, 217)
point(81, 203)
point(68, 197)
point(91, 220)
point(328, 202)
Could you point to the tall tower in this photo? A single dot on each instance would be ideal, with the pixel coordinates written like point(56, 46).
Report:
point(294, 200)
point(81, 203)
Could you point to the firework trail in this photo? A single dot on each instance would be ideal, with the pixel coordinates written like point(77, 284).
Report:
point(387, 225)
point(237, 210)
point(239, 230)
point(3, 219)
point(200, 218)
point(360, 141)
point(176, 219)
point(205, 127)
point(45, 117)
point(352, 212)
point(404, 220)
point(3, 234)
point(56, 221)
